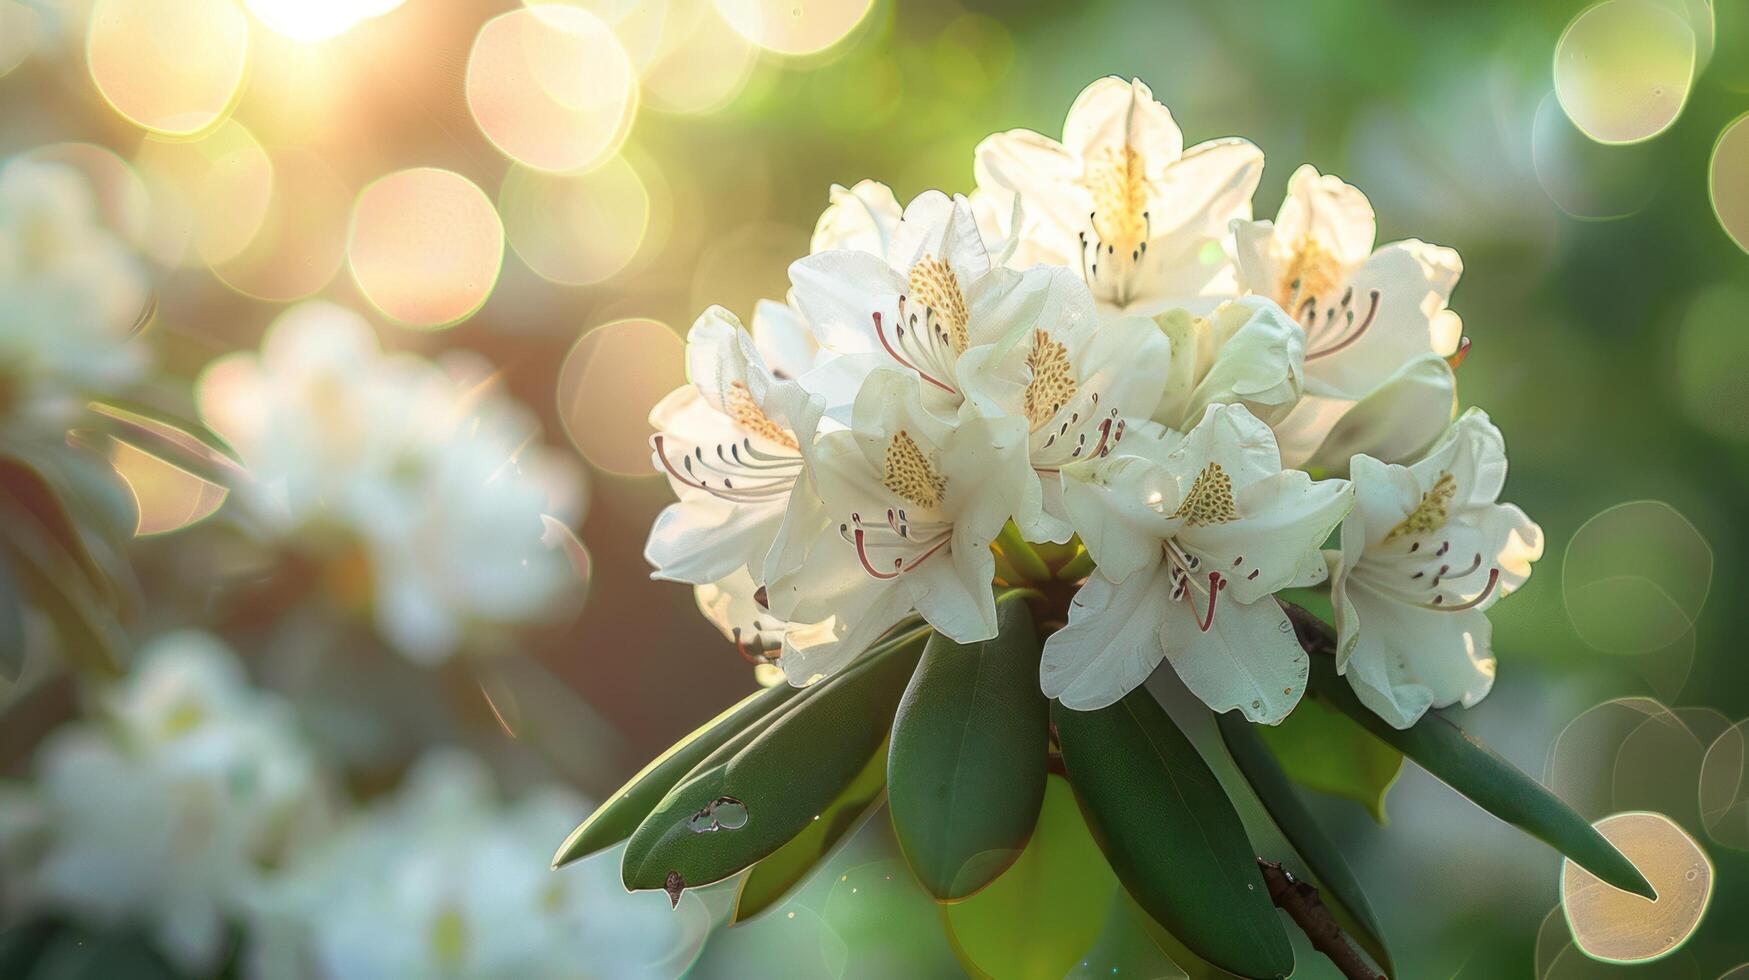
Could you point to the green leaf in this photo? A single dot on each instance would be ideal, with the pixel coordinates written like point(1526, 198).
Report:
point(184, 443)
point(85, 625)
point(734, 811)
point(1322, 749)
point(27, 495)
point(1497, 786)
point(1341, 891)
point(767, 882)
point(621, 813)
point(967, 768)
point(1171, 834)
point(1038, 919)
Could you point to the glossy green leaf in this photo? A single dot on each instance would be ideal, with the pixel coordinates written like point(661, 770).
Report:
point(86, 628)
point(734, 811)
point(1322, 749)
point(621, 813)
point(1318, 854)
point(1036, 921)
point(1497, 786)
point(967, 768)
point(11, 623)
point(1171, 834)
point(767, 882)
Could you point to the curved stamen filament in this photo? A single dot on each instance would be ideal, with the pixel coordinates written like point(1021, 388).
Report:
point(1438, 604)
point(864, 539)
point(1351, 331)
point(893, 352)
point(763, 487)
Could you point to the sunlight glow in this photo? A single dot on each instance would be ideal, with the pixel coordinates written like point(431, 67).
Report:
point(316, 20)
point(426, 246)
point(1620, 927)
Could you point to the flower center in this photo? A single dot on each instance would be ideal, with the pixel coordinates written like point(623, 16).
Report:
point(1117, 185)
point(748, 415)
point(1052, 384)
point(1210, 500)
point(909, 474)
point(889, 550)
point(1311, 274)
point(1430, 514)
point(1116, 181)
point(936, 288)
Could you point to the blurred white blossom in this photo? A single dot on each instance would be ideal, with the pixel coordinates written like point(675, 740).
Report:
point(444, 880)
point(429, 478)
point(71, 294)
point(166, 807)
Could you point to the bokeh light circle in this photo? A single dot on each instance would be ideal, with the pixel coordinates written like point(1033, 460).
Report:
point(1623, 69)
point(1724, 788)
point(1584, 178)
point(1620, 927)
point(575, 229)
point(1728, 180)
point(19, 26)
point(425, 247)
point(702, 63)
point(167, 497)
point(1627, 754)
point(552, 87)
point(610, 380)
point(170, 66)
point(794, 27)
point(302, 240)
point(1635, 577)
point(1712, 359)
point(210, 193)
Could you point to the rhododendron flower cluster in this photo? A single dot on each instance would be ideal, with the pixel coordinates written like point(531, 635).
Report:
point(1101, 357)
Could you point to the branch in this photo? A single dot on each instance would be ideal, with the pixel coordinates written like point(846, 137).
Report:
point(1302, 904)
point(1314, 634)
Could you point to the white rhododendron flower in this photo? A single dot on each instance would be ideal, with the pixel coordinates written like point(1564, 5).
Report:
point(443, 880)
point(1425, 552)
point(1192, 546)
point(167, 808)
point(730, 443)
point(1098, 370)
point(912, 502)
point(428, 476)
point(1122, 201)
point(71, 294)
point(1378, 332)
point(933, 304)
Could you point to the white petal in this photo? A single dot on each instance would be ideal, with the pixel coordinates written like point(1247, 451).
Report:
point(839, 293)
point(702, 539)
point(1249, 659)
point(1112, 641)
point(1395, 422)
point(1118, 506)
point(861, 217)
point(945, 228)
point(1401, 659)
point(782, 338)
point(1324, 209)
point(1249, 352)
point(1283, 521)
point(1113, 113)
